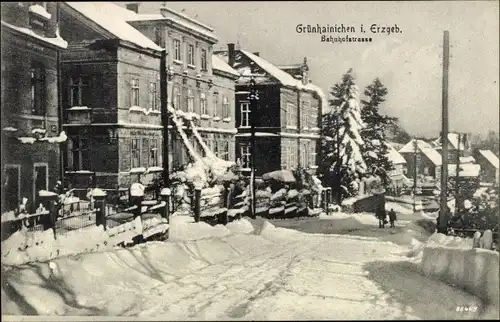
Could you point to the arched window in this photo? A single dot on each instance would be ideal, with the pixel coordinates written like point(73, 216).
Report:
point(38, 85)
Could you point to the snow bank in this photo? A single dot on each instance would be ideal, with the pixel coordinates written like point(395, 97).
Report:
point(475, 270)
point(183, 228)
point(241, 226)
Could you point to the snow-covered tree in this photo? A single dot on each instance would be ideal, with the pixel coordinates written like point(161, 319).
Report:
point(375, 148)
point(342, 163)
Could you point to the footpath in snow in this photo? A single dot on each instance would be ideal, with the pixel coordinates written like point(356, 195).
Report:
point(248, 270)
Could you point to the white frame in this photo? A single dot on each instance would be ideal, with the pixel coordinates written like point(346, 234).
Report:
point(190, 101)
point(79, 85)
point(18, 167)
point(191, 55)
point(135, 89)
point(246, 112)
point(153, 103)
point(291, 119)
point(177, 49)
point(203, 60)
point(248, 153)
point(139, 149)
point(203, 104)
point(226, 112)
point(35, 165)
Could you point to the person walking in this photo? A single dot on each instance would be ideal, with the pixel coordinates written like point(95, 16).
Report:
point(381, 215)
point(392, 217)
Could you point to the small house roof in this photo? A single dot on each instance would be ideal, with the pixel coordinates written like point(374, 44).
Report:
point(219, 64)
point(490, 156)
point(425, 148)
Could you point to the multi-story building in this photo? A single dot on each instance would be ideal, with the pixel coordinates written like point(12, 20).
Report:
point(111, 98)
point(198, 82)
point(287, 117)
point(31, 133)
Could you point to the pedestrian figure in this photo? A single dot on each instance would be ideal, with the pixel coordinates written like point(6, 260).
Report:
point(392, 217)
point(136, 196)
point(381, 215)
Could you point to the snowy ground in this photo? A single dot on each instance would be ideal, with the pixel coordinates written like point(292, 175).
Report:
point(265, 273)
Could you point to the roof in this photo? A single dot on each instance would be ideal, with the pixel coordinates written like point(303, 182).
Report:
point(177, 18)
point(425, 148)
point(394, 156)
point(453, 139)
point(56, 41)
point(490, 156)
point(286, 79)
point(219, 64)
point(466, 170)
point(112, 18)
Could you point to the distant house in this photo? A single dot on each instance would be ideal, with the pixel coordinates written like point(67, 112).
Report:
point(489, 166)
point(463, 149)
point(396, 175)
point(428, 160)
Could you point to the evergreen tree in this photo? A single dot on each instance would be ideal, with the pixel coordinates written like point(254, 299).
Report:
point(375, 149)
point(342, 164)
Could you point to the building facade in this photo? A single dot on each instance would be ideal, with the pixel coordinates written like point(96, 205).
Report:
point(31, 132)
point(489, 166)
point(286, 118)
point(198, 82)
point(427, 162)
point(110, 98)
point(458, 146)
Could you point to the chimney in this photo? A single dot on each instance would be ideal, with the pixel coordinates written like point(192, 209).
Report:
point(133, 7)
point(230, 54)
point(51, 27)
point(257, 53)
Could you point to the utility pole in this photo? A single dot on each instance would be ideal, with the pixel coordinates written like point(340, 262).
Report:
point(254, 97)
point(457, 177)
point(415, 172)
point(164, 117)
point(442, 219)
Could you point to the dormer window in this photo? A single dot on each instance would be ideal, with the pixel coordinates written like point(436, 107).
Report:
point(40, 9)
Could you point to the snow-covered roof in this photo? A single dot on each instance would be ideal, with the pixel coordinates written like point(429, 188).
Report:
point(490, 156)
point(219, 64)
point(469, 159)
point(177, 18)
point(453, 139)
point(285, 78)
point(425, 148)
point(466, 170)
point(394, 156)
point(56, 41)
point(113, 18)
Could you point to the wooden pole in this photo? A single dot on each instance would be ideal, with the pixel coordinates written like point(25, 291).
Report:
point(253, 117)
point(457, 177)
point(415, 173)
point(164, 117)
point(442, 228)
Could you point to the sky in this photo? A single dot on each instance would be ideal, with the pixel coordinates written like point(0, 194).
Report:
point(409, 63)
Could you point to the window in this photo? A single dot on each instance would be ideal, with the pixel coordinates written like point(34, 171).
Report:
point(80, 153)
point(38, 89)
point(304, 155)
point(223, 148)
point(304, 112)
point(153, 153)
point(191, 54)
point(291, 115)
point(245, 114)
point(245, 155)
point(177, 49)
point(216, 105)
point(204, 60)
point(225, 108)
point(135, 153)
point(135, 92)
point(153, 97)
point(312, 153)
point(203, 104)
point(77, 91)
point(190, 101)
point(177, 98)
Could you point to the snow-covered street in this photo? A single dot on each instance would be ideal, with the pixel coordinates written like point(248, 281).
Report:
point(268, 274)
